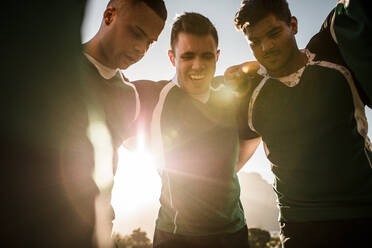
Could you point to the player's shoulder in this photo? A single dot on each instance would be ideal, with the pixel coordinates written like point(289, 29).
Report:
point(148, 89)
point(149, 84)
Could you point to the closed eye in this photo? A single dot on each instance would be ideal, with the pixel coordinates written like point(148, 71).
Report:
point(136, 34)
point(274, 35)
point(275, 32)
point(187, 56)
point(208, 56)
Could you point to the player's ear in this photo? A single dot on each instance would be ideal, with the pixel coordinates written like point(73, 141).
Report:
point(293, 25)
point(109, 15)
point(218, 54)
point(172, 56)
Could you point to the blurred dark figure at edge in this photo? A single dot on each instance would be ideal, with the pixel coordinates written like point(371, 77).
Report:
point(40, 68)
point(345, 38)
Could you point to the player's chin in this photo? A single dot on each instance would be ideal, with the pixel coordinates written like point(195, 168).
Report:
point(124, 64)
point(199, 84)
point(124, 67)
point(270, 66)
point(201, 90)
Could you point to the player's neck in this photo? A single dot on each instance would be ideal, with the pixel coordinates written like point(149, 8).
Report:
point(94, 49)
point(296, 61)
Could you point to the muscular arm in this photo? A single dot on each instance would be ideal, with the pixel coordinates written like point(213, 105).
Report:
point(246, 150)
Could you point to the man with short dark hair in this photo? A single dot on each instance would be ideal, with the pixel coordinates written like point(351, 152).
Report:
point(195, 138)
point(99, 128)
point(312, 122)
point(127, 30)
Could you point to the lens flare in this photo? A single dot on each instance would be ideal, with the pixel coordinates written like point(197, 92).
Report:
point(137, 182)
point(103, 169)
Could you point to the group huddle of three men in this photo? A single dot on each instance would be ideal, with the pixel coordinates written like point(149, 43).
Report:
point(307, 106)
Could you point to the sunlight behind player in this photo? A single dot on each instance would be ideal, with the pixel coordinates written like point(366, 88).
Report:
point(137, 182)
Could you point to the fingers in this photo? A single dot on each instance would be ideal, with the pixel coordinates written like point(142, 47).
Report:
point(238, 74)
point(233, 72)
point(250, 68)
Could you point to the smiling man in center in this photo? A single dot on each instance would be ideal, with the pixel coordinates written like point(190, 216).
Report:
point(195, 138)
point(194, 57)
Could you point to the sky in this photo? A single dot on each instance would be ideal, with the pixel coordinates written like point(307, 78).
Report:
point(234, 48)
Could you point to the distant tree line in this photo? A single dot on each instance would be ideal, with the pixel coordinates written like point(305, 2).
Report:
point(258, 238)
point(138, 239)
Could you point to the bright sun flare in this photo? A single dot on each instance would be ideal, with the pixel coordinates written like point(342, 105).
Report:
point(137, 182)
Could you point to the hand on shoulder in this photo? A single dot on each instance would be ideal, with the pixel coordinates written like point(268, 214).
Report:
point(236, 75)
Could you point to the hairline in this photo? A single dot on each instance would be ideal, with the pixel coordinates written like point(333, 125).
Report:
point(266, 13)
point(173, 46)
point(244, 27)
point(131, 3)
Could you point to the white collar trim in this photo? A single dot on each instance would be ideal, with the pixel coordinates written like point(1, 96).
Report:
point(103, 70)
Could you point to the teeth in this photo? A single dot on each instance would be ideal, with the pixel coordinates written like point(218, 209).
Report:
point(196, 77)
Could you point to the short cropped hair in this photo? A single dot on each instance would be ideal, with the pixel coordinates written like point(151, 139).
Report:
point(156, 5)
point(192, 23)
point(253, 11)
